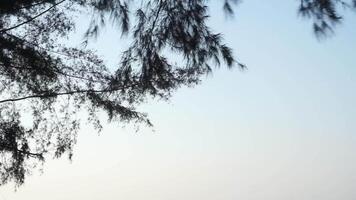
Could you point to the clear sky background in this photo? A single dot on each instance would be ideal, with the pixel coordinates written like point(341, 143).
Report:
point(283, 129)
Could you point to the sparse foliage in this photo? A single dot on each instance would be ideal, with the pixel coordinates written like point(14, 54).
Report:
point(324, 13)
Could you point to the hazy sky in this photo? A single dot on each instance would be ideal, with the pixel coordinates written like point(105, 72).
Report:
point(282, 130)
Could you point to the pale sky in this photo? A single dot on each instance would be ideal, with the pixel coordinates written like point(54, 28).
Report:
point(282, 130)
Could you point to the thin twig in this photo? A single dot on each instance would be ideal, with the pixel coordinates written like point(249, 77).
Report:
point(33, 18)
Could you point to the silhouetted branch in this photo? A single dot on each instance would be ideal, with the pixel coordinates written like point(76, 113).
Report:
point(157, 15)
point(9, 148)
point(49, 95)
point(37, 155)
point(54, 94)
point(33, 18)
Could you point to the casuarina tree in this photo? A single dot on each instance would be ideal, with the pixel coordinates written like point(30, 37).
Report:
point(45, 83)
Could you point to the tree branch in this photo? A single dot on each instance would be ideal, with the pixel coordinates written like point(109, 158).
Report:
point(156, 16)
point(48, 95)
point(33, 18)
point(40, 155)
point(9, 148)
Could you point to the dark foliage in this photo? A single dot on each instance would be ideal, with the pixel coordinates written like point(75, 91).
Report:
point(324, 13)
point(44, 84)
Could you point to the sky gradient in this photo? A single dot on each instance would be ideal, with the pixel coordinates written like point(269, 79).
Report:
point(283, 129)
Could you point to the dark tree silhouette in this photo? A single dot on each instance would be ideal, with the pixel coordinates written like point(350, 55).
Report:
point(324, 13)
point(44, 84)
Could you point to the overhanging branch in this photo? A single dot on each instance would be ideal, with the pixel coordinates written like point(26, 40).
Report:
point(49, 95)
point(33, 18)
point(53, 94)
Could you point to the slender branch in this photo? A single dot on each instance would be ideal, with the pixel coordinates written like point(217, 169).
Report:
point(48, 95)
point(33, 18)
point(156, 16)
point(9, 148)
point(64, 74)
point(30, 153)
